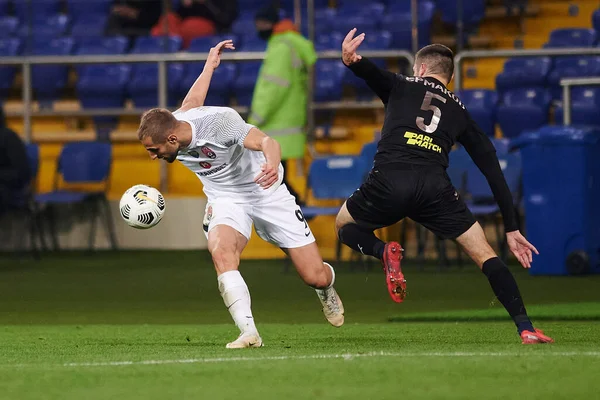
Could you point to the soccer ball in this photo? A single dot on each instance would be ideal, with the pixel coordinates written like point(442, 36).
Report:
point(142, 206)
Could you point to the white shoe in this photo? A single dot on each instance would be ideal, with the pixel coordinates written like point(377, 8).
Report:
point(246, 340)
point(333, 309)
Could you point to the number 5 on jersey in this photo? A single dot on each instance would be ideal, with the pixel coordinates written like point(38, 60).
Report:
point(437, 113)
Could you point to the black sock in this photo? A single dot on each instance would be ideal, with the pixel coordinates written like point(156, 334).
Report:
point(506, 290)
point(362, 240)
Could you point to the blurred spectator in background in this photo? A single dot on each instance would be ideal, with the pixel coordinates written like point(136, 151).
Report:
point(133, 17)
point(15, 172)
point(280, 95)
point(197, 18)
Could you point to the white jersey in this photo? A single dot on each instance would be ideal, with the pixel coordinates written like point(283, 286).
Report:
point(218, 157)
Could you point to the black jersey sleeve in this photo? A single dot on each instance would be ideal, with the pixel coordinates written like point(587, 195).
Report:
point(483, 153)
point(379, 80)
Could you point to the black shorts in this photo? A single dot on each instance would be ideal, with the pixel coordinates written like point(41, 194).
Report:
point(422, 193)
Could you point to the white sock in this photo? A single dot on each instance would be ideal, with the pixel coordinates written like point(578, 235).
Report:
point(332, 279)
point(237, 300)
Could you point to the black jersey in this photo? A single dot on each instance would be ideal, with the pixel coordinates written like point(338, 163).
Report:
point(423, 120)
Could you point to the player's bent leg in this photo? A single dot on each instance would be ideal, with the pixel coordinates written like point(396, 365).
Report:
point(503, 283)
point(321, 276)
point(226, 245)
point(363, 239)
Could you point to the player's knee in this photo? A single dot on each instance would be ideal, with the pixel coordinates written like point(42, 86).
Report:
point(318, 278)
point(225, 259)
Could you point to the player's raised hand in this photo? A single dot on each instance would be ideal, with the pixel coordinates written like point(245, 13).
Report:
point(521, 248)
point(268, 176)
point(214, 55)
point(349, 47)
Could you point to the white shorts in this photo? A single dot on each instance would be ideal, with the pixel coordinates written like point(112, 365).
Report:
point(277, 218)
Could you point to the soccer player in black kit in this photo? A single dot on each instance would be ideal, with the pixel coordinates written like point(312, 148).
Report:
point(423, 120)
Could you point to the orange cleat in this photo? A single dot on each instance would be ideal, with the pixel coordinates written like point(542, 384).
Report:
point(392, 255)
point(536, 337)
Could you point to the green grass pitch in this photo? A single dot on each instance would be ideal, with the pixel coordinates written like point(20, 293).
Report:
point(152, 325)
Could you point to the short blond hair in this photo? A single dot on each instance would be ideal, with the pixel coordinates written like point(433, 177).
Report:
point(156, 123)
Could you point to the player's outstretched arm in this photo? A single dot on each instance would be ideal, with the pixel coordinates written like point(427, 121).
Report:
point(197, 93)
point(258, 141)
point(379, 80)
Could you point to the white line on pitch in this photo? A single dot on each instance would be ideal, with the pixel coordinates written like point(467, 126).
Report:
point(347, 356)
point(344, 356)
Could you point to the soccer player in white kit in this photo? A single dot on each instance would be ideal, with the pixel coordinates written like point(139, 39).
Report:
point(240, 169)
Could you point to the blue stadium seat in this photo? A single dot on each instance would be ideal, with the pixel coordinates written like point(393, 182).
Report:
point(36, 10)
point(523, 109)
point(82, 163)
point(9, 47)
point(324, 19)
point(329, 41)
point(473, 12)
point(81, 8)
point(334, 178)
point(49, 80)
point(596, 21)
point(523, 72)
point(8, 26)
point(89, 25)
point(54, 26)
point(203, 44)
point(367, 153)
point(481, 104)
point(352, 8)
point(458, 163)
point(113, 45)
point(328, 80)
point(571, 67)
point(572, 37)
point(4, 7)
point(248, 73)
point(221, 87)
point(398, 21)
point(244, 26)
point(585, 103)
point(143, 87)
point(361, 22)
point(245, 82)
point(102, 85)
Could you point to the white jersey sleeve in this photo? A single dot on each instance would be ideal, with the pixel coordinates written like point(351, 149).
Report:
point(220, 125)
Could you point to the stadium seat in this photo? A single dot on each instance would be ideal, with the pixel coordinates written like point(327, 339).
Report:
point(49, 80)
point(248, 73)
point(334, 178)
point(481, 104)
point(585, 103)
point(361, 22)
point(89, 25)
point(367, 153)
point(54, 26)
point(523, 109)
point(143, 87)
point(596, 21)
point(81, 163)
point(4, 7)
point(523, 72)
point(221, 86)
point(571, 37)
point(324, 19)
point(9, 47)
point(571, 67)
point(473, 12)
point(36, 10)
point(328, 80)
point(8, 26)
point(458, 162)
point(81, 8)
point(329, 41)
point(352, 8)
point(102, 85)
point(244, 26)
point(398, 21)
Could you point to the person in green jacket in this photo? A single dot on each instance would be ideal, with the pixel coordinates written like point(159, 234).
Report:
point(281, 92)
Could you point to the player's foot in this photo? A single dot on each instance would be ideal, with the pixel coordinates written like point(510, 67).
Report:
point(536, 337)
point(332, 306)
point(246, 340)
point(392, 255)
